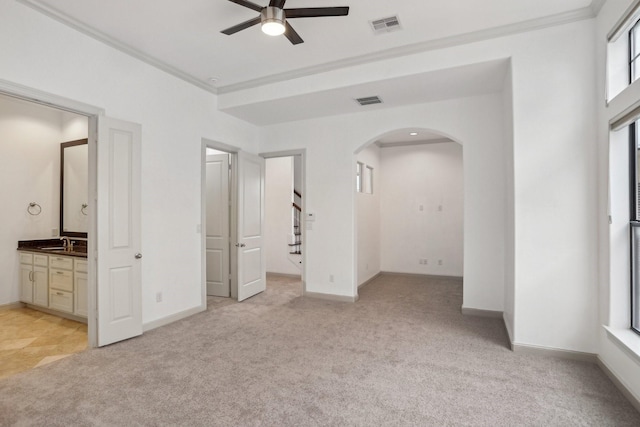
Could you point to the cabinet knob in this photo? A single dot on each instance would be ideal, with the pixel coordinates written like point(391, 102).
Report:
point(138, 255)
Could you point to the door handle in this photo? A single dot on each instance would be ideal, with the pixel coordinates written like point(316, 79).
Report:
point(240, 245)
point(138, 255)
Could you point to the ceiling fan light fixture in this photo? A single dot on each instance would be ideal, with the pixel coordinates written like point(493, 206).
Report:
point(273, 21)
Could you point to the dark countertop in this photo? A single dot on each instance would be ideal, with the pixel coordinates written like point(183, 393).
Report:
point(44, 246)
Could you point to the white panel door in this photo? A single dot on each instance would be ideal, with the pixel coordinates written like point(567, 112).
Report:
point(250, 242)
point(119, 289)
point(217, 199)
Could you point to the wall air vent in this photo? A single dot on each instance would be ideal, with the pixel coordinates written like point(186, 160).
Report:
point(369, 100)
point(385, 25)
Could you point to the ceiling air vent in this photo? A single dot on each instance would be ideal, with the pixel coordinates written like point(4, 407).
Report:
point(369, 100)
point(385, 25)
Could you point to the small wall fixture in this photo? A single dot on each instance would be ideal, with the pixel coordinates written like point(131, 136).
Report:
point(272, 21)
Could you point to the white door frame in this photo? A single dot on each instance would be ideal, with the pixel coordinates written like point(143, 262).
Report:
point(92, 112)
point(233, 258)
point(302, 153)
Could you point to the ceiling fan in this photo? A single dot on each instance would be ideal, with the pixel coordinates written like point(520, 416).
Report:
point(274, 18)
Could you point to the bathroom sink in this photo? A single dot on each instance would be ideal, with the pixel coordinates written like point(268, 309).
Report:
point(54, 248)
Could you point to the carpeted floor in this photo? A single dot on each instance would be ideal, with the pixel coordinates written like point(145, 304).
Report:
point(401, 356)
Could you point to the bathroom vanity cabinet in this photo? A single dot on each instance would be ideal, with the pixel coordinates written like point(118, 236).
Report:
point(56, 282)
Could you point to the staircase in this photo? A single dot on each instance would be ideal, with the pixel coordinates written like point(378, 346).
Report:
point(295, 247)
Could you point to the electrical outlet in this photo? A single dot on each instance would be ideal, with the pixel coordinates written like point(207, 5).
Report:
point(439, 262)
point(331, 278)
point(425, 261)
point(158, 296)
point(54, 232)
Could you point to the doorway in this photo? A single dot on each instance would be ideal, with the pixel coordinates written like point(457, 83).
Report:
point(43, 299)
point(243, 234)
point(409, 204)
point(286, 225)
point(217, 227)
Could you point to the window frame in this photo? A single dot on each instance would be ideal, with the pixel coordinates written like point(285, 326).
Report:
point(633, 59)
point(359, 182)
point(634, 226)
point(368, 179)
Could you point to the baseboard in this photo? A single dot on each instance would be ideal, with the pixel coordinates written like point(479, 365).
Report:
point(58, 313)
point(554, 352)
point(173, 318)
point(11, 306)
point(366, 282)
point(294, 276)
point(619, 383)
point(330, 297)
point(426, 276)
point(481, 313)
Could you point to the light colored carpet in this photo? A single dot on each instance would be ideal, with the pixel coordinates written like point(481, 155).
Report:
point(401, 356)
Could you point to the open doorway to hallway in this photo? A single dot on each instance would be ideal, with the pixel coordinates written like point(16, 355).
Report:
point(409, 206)
point(284, 220)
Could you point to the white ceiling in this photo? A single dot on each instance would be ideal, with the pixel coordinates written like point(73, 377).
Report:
point(183, 37)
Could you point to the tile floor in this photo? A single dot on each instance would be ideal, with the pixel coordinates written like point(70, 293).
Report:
point(30, 338)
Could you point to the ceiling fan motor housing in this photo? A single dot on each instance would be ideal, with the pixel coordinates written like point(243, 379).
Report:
point(272, 14)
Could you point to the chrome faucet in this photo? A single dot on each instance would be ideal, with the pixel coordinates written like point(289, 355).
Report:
point(68, 245)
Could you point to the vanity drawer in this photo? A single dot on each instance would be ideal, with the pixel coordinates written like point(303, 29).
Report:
point(61, 300)
point(61, 262)
point(41, 260)
point(81, 266)
point(61, 279)
point(26, 258)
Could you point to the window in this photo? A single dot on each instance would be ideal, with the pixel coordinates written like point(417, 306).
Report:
point(359, 167)
point(368, 180)
point(634, 52)
point(634, 175)
point(364, 178)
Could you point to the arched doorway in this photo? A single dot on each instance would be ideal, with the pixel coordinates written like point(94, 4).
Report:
point(409, 205)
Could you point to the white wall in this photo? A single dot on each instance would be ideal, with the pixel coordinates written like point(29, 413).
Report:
point(613, 193)
point(422, 209)
point(475, 121)
point(554, 163)
point(278, 215)
point(368, 217)
point(44, 54)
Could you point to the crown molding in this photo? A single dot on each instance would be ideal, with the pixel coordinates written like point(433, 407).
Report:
point(445, 42)
point(588, 12)
point(116, 44)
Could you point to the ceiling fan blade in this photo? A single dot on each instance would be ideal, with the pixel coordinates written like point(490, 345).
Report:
point(277, 3)
point(312, 12)
point(291, 34)
point(248, 4)
point(242, 26)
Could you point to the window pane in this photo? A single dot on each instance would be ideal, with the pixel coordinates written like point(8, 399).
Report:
point(635, 164)
point(368, 187)
point(635, 276)
point(359, 177)
point(634, 46)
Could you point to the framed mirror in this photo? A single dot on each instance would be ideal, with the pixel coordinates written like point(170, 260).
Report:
point(74, 188)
